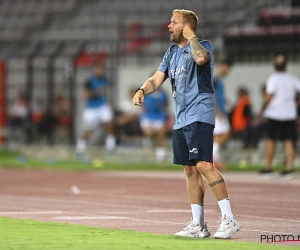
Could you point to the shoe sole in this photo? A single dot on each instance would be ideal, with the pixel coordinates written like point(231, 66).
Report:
point(193, 236)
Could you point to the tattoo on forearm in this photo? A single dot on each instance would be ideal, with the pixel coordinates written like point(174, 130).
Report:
point(152, 84)
point(198, 50)
point(215, 183)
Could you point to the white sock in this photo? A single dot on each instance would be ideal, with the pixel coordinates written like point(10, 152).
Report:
point(225, 208)
point(216, 151)
point(198, 213)
point(80, 146)
point(160, 154)
point(110, 142)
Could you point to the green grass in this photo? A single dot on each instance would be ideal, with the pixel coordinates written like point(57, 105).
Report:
point(17, 234)
point(16, 160)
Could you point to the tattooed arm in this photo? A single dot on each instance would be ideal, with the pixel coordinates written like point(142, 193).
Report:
point(150, 86)
point(200, 54)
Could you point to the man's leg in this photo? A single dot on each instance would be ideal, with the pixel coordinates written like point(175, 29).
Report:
point(215, 182)
point(221, 135)
point(82, 142)
point(290, 154)
point(160, 151)
point(195, 190)
point(219, 141)
point(270, 151)
point(229, 225)
point(105, 115)
point(89, 121)
point(110, 141)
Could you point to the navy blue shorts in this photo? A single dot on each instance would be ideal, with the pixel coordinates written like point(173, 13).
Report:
point(193, 142)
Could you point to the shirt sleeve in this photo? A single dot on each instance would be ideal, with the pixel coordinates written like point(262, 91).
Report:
point(270, 86)
point(206, 45)
point(164, 65)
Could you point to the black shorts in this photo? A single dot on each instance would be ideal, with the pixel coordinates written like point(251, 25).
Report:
point(281, 130)
point(193, 142)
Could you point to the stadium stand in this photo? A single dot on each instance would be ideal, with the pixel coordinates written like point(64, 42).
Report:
point(276, 30)
point(41, 39)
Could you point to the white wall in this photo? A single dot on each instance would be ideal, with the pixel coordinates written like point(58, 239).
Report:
point(252, 76)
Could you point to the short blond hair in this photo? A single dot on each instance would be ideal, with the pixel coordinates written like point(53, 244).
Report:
point(189, 17)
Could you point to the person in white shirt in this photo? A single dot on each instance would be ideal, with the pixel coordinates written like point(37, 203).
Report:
point(280, 109)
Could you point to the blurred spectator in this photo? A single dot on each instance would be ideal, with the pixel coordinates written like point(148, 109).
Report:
point(127, 120)
point(47, 125)
point(17, 117)
point(256, 128)
point(280, 109)
point(97, 111)
point(37, 111)
point(153, 121)
point(241, 114)
point(62, 111)
point(222, 125)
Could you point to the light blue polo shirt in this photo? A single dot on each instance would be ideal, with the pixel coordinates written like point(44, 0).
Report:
point(195, 99)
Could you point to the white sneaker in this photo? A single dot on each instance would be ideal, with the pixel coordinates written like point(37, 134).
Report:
point(227, 228)
point(193, 229)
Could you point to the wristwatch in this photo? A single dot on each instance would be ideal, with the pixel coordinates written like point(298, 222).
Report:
point(140, 89)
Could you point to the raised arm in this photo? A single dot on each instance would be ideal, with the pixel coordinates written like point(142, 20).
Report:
point(200, 54)
point(150, 86)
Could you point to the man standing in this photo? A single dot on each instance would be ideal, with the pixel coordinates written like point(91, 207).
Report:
point(222, 125)
point(97, 111)
point(189, 66)
point(280, 109)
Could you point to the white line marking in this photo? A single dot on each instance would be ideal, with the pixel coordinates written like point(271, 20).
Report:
point(265, 207)
point(267, 218)
point(111, 218)
point(90, 218)
point(176, 211)
point(265, 231)
point(70, 200)
point(32, 212)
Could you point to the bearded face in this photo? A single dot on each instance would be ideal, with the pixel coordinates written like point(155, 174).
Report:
point(176, 28)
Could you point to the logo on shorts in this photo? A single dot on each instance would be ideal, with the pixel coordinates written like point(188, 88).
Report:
point(194, 150)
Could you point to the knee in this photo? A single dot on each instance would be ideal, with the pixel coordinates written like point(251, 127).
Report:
point(189, 171)
point(204, 167)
